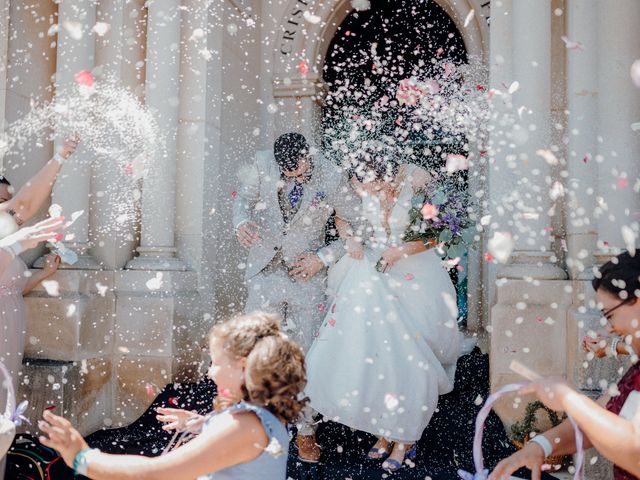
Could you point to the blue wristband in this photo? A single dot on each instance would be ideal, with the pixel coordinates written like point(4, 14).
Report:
point(81, 462)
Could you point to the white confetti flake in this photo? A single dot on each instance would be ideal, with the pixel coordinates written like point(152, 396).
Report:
point(74, 29)
point(635, 73)
point(556, 191)
point(311, 18)
point(7, 224)
point(456, 163)
point(470, 16)
point(391, 402)
point(629, 237)
point(102, 289)
point(55, 210)
point(52, 287)
point(101, 28)
point(155, 283)
point(514, 87)
point(501, 245)
point(274, 448)
point(361, 5)
point(548, 156)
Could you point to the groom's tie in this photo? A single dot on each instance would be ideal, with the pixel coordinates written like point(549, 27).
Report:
point(295, 194)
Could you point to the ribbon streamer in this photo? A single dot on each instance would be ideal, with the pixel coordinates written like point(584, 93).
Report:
point(478, 460)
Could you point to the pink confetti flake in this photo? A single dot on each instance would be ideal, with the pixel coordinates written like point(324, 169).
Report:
point(320, 307)
point(84, 77)
point(571, 45)
point(449, 68)
point(128, 169)
point(623, 182)
point(488, 257)
point(150, 389)
point(539, 319)
point(440, 51)
point(303, 68)
point(409, 277)
point(333, 308)
point(234, 194)
point(429, 211)
point(332, 322)
point(174, 401)
point(480, 88)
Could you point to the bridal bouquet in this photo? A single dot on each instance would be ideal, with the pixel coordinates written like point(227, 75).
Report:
point(442, 215)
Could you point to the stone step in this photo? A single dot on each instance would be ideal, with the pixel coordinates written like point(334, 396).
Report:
point(80, 391)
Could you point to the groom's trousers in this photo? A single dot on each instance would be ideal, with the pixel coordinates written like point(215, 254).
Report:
point(301, 304)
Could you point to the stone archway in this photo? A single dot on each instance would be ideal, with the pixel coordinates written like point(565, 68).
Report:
point(298, 86)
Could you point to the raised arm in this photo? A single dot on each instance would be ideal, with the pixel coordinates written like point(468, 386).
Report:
point(37, 190)
point(51, 264)
point(230, 439)
point(247, 196)
point(616, 438)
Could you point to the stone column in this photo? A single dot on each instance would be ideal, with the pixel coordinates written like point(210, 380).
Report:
point(4, 46)
point(190, 175)
point(618, 100)
point(72, 189)
point(582, 97)
point(119, 53)
point(157, 249)
point(532, 103)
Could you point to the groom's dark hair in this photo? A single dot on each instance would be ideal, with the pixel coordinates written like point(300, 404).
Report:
point(289, 149)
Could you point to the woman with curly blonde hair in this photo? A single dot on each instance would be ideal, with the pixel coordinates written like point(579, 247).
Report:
point(259, 373)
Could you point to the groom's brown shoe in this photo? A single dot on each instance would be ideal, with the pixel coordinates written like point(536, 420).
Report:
point(308, 449)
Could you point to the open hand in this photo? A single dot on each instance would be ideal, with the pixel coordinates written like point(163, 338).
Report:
point(597, 345)
point(530, 456)
point(550, 391)
point(179, 419)
point(248, 234)
point(306, 266)
point(61, 436)
point(29, 237)
point(391, 256)
point(69, 147)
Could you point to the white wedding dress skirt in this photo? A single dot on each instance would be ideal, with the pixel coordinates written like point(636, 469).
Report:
point(388, 345)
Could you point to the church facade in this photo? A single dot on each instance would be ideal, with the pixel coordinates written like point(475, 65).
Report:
point(224, 78)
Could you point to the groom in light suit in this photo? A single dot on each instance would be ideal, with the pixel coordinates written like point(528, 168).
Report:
point(280, 214)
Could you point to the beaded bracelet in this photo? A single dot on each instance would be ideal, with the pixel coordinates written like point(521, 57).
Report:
point(614, 346)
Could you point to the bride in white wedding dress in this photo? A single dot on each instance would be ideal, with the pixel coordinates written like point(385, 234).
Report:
point(389, 342)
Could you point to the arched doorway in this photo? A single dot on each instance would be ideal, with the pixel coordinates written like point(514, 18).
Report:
point(372, 54)
point(299, 96)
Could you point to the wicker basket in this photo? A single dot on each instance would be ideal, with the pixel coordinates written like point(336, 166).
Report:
point(528, 425)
